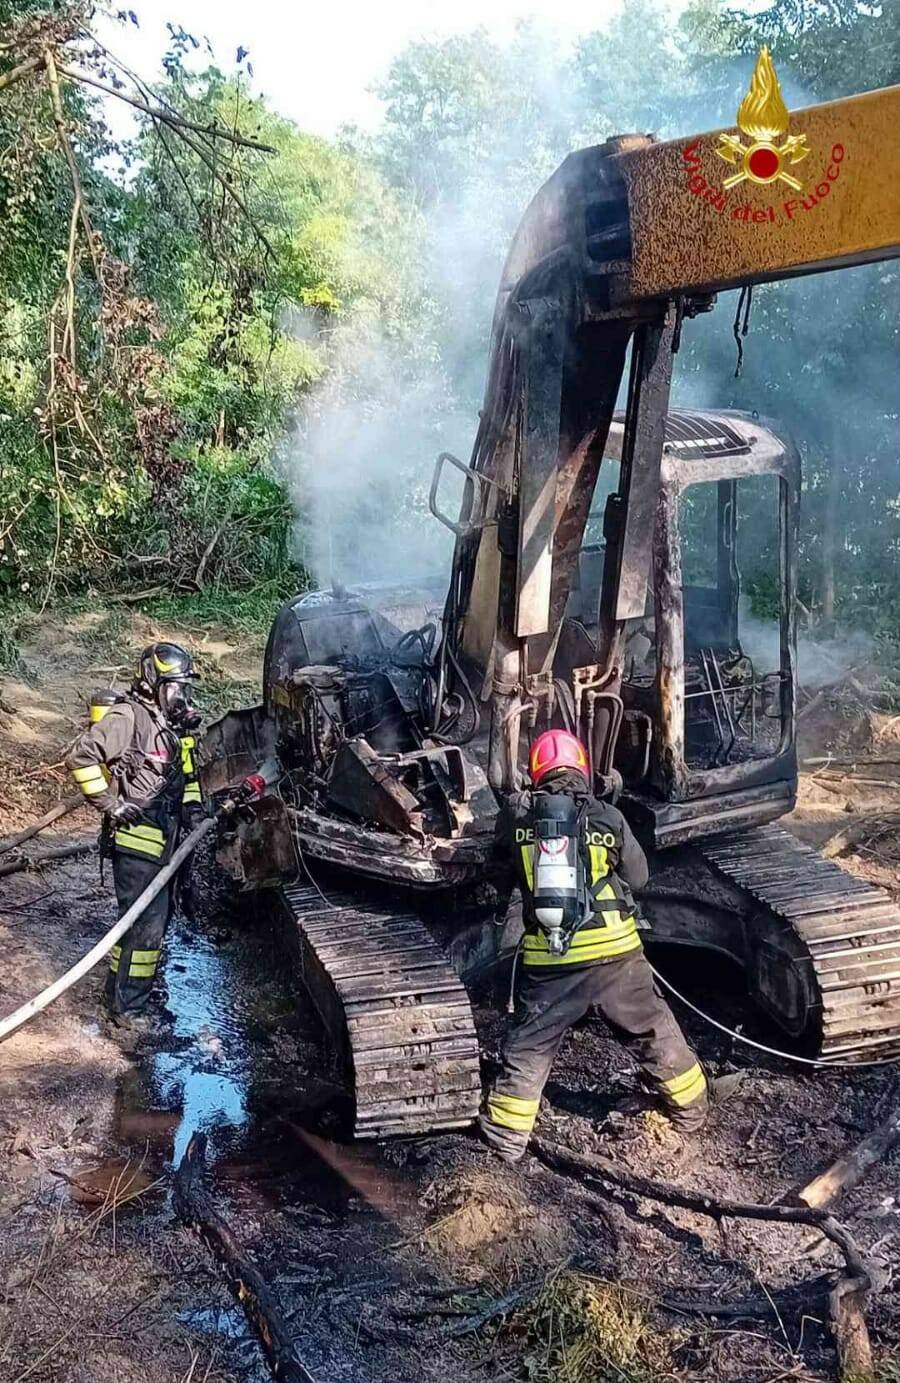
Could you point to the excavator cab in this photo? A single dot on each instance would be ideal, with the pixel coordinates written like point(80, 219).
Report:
point(708, 670)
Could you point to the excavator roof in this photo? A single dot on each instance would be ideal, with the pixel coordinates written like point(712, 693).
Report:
point(694, 435)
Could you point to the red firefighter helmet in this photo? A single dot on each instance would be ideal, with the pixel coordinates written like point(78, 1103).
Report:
point(556, 749)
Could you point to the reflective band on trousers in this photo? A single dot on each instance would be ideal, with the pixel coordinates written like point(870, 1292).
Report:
point(687, 1087)
point(192, 793)
point(91, 779)
point(142, 965)
point(509, 1111)
point(144, 840)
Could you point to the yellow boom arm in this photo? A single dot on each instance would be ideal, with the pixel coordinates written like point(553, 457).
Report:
point(775, 197)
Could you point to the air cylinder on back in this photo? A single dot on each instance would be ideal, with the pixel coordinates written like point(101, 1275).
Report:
point(100, 702)
point(559, 886)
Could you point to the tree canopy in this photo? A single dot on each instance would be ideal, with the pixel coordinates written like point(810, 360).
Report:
point(229, 348)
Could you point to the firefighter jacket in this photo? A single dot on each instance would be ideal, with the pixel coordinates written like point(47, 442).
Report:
point(133, 755)
point(614, 864)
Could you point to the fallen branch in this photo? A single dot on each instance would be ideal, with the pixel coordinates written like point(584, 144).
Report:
point(857, 831)
point(849, 1169)
point(849, 762)
point(68, 804)
point(59, 852)
point(194, 1207)
point(832, 687)
point(804, 1297)
point(846, 1300)
point(854, 778)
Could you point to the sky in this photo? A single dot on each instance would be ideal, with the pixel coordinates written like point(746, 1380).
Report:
point(317, 63)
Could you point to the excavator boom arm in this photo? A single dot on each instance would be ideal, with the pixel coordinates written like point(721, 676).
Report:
point(718, 211)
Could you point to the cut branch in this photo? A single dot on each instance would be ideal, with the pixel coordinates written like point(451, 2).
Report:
point(850, 1168)
point(59, 852)
point(194, 1207)
point(68, 804)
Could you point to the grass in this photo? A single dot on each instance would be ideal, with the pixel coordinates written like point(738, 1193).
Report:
point(251, 611)
point(584, 1330)
point(10, 657)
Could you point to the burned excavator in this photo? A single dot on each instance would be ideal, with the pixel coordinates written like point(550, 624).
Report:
point(596, 584)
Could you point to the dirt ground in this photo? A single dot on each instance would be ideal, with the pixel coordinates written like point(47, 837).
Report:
point(389, 1260)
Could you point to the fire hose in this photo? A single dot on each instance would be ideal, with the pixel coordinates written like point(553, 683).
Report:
point(254, 786)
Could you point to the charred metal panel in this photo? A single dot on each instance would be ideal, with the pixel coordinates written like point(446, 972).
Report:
point(386, 855)
point(593, 372)
point(537, 478)
point(645, 432)
point(256, 846)
point(361, 785)
point(234, 746)
point(663, 824)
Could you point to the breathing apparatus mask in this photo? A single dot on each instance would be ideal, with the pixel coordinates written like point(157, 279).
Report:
point(165, 673)
point(174, 700)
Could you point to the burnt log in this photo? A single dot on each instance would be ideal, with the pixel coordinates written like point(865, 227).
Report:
point(194, 1207)
point(851, 1166)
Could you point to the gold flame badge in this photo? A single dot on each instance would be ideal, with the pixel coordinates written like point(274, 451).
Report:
point(763, 117)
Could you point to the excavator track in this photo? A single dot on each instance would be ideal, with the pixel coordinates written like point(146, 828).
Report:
point(394, 1004)
point(850, 929)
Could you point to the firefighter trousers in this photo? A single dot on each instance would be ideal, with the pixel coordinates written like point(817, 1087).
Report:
point(549, 1001)
point(134, 961)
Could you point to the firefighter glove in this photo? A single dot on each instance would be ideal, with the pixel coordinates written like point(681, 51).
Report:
point(126, 814)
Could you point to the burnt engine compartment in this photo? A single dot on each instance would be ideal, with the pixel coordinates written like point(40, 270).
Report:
point(361, 724)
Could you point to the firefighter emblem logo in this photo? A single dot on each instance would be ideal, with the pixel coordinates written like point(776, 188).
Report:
point(763, 118)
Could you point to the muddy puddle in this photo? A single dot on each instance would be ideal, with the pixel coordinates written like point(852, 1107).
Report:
point(241, 1057)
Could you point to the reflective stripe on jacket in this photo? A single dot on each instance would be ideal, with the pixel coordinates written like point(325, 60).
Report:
point(189, 769)
point(616, 935)
point(131, 755)
point(613, 860)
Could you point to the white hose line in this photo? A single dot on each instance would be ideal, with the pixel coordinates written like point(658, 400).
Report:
point(15, 1020)
point(823, 1063)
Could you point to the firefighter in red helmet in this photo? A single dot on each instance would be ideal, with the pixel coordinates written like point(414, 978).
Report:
point(577, 861)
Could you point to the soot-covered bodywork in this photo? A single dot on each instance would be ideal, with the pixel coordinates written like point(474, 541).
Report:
point(370, 784)
point(596, 583)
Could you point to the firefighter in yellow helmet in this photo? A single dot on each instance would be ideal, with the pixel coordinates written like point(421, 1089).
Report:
point(136, 765)
point(576, 862)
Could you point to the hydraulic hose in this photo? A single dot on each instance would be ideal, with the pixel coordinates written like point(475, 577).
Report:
point(68, 804)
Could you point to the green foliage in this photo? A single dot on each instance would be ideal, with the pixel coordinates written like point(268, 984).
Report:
point(145, 387)
point(583, 1330)
point(358, 276)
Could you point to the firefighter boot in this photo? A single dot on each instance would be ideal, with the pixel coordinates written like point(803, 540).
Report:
point(134, 962)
